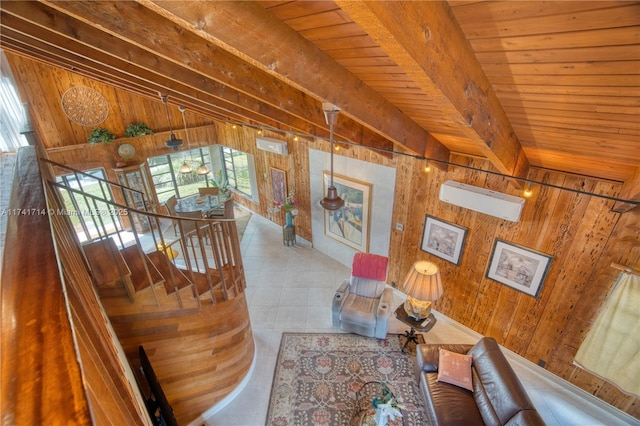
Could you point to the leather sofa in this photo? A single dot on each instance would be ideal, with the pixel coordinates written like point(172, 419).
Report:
point(498, 397)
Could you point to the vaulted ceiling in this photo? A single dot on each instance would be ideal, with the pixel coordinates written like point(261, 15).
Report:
point(521, 83)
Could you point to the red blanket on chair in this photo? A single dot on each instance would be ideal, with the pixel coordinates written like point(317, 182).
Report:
point(371, 266)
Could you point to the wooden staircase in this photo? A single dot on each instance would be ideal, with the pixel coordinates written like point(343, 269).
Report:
point(129, 272)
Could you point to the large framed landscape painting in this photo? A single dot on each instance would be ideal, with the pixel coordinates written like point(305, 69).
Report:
point(349, 224)
point(518, 267)
point(443, 239)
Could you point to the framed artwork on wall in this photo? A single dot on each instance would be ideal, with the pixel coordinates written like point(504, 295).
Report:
point(279, 185)
point(518, 267)
point(349, 224)
point(443, 239)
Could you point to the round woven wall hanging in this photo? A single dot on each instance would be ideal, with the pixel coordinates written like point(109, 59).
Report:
point(85, 106)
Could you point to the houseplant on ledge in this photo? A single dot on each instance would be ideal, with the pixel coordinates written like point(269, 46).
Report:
point(100, 135)
point(137, 130)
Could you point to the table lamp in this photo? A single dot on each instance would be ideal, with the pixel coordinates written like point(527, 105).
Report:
point(422, 285)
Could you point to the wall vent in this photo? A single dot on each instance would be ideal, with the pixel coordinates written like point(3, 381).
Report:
point(482, 200)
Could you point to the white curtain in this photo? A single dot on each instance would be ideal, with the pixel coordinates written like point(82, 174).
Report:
point(12, 111)
point(611, 349)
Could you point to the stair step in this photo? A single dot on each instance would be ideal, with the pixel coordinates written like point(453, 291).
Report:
point(135, 262)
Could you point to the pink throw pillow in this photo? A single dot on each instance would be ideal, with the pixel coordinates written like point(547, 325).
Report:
point(455, 368)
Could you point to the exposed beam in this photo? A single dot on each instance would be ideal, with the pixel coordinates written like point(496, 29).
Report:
point(150, 41)
point(250, 32)
point(630, 191)
point(425, 39)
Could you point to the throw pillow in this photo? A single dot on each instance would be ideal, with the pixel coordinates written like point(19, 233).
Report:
point(455, 368)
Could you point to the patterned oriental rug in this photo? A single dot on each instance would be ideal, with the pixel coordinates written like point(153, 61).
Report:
point(317, 377)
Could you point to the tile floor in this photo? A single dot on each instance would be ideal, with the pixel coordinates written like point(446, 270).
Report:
point(291, 288)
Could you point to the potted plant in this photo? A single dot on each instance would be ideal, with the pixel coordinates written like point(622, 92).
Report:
point(221, 183)
point(99, 135)
point(137, 130)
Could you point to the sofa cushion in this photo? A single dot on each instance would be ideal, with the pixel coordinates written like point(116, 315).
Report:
point(448, 404)
point(455, 368)
point(428, 355)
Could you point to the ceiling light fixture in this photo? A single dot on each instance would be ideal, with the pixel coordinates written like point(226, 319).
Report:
point(173, 142)
point(332, 201)
point(185, 168)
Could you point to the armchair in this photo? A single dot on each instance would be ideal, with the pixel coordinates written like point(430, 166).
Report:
point(362, 304)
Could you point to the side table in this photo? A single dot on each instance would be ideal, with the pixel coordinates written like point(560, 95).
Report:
point(422, 325)
point(289, 235)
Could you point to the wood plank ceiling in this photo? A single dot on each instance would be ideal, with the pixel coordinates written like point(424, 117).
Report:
point(545, 84)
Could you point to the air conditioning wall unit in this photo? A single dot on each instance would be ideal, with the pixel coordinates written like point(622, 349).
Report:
point(272, 145)
point(482, 200)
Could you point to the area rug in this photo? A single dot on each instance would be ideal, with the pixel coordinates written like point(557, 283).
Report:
point(317, 377)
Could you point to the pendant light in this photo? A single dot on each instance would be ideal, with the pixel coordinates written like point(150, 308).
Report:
point(173, 142)
point(185, 168)
point(332, 201)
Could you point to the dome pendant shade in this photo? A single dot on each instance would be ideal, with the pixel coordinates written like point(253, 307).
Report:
point(332, 202)
point(202, 169)
point(185, 168)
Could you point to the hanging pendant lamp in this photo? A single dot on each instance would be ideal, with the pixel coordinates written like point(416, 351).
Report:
point(185, 168)
point(332, 201)
point(173, 142)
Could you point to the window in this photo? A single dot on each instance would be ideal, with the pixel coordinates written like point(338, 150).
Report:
point(239, 169)
point(90, 218)
point(168, 181)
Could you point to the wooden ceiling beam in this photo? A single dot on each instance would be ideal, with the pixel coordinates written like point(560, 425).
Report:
point(164, 46)
point(250, 32)
point(413, 35)
point(156, 75)
point(630, 191)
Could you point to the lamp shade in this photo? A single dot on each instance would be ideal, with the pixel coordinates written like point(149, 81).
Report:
point(202, 169)
point(423, 282)
point(185, 168)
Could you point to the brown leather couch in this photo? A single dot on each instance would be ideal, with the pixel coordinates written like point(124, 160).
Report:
point(498, 397)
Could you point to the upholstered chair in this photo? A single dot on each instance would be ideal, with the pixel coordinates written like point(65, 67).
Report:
point(362, 304)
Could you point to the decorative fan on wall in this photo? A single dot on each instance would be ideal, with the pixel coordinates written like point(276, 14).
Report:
point(85, 106)
point(125, 151)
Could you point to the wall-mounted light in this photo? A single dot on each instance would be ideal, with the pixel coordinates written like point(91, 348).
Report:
point(528, 189)
point(427, 167)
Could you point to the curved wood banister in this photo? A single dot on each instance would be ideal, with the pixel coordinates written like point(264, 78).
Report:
point(37, 337)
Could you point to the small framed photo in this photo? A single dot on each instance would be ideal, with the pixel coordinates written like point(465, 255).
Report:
point(279, 185)
point(518, 267)
point(443, 239)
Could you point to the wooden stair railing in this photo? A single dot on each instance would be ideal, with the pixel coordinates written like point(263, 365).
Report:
point(210, 249)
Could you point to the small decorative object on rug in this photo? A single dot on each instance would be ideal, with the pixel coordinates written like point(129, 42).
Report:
point(387, 407)
point(320, 380)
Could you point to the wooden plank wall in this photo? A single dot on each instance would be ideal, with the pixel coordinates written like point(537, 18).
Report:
point(579, 231)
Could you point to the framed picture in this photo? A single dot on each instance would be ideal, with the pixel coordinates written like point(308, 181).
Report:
point(443, 239)
point(349, 224)
point(518, 267)
point(279, 185)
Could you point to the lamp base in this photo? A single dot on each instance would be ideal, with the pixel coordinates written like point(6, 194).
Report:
point(417, 309)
